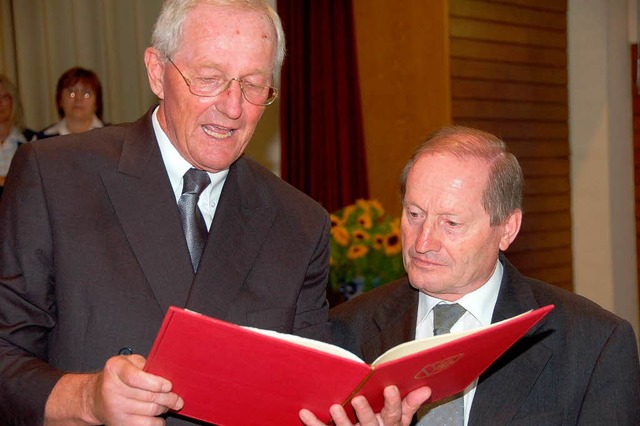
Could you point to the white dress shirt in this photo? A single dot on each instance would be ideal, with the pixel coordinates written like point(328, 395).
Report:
point(479, 305)
point(9, 148)
point(176, 168)
point(61, 127)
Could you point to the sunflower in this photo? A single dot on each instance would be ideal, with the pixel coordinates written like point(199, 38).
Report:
point(340, 235)
point(363, 204)
point(360, 235)
point(335, 220)
point(357, 251)
point(392, 243)
point(378, 241)
point(365, 221)
point(365, 246)
point(346, 212)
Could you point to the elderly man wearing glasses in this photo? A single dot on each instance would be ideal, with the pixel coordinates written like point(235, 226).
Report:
point(104, 230)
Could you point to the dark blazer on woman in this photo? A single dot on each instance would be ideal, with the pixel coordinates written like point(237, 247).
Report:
point(579, 366)
point(93, 254)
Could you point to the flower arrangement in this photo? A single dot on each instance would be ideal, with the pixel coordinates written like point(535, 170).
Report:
point(365, 248)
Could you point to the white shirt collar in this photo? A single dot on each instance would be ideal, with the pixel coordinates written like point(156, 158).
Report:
point(174, 163)
point(177, 166)
point(61, 127)
point(479, 303)
point(9, 148)
point(15, 136)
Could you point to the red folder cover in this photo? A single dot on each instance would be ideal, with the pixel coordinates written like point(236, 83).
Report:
point(231, 375)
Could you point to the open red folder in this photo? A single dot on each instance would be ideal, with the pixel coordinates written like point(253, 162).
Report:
point(232, 375)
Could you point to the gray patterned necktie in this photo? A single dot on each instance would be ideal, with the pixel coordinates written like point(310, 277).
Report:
point(193, 225)
point(449, 411)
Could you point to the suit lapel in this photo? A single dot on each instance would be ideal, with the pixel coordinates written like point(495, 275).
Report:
point(141, 195)
point(396, 321)
point(503, 388)
point(241, 224)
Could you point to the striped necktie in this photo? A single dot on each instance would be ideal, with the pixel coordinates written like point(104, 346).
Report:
point(193, 225)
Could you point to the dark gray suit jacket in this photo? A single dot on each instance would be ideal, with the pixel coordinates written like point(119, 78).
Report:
point(93, 254)
point(579, 366)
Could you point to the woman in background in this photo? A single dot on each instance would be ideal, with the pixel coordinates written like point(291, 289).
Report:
point(79, 102)
point(12, 130)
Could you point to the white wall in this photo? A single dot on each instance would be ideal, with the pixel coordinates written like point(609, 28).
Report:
point(601, 140)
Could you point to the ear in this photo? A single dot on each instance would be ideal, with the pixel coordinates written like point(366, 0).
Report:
point(510, 229)
point(155, 71)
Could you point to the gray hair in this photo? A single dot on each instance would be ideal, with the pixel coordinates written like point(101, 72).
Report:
point(167, 31)
point(17, 114)
point(503, 194)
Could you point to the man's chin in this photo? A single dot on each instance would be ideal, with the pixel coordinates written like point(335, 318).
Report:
point(424, 285)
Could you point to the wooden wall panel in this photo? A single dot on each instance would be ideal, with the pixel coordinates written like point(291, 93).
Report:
point(509, 76)
point(523, 130)
point(471, 28)
point(508, 53)
point(508, 91)
point(505, 13)
point(496, 71)
point(636, 148)
point(548, 5)
point(503, 110)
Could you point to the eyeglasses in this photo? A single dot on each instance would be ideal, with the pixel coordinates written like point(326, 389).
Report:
point(79, 93)
point(256, 94)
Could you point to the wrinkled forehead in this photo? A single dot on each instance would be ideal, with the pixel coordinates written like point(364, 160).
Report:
point(452, 163)
point(467, 174)
point(228, 29)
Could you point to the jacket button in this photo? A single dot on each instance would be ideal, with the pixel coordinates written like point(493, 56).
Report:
point(125, 351)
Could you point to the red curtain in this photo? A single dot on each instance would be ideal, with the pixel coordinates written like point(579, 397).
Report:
point(323, 150)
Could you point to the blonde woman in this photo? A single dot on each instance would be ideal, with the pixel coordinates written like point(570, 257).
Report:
point(12, 130)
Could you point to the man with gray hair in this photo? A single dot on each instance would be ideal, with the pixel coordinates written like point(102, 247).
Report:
point(103, 231)
point(461, 208)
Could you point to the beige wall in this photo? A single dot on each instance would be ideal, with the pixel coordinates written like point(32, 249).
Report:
point(602, 155)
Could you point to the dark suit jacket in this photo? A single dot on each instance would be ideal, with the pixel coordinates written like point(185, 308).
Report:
point(578, 366)
point(93, 254)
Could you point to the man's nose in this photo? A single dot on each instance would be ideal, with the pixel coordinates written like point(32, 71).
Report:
point(230, 100)
point(428, 239)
